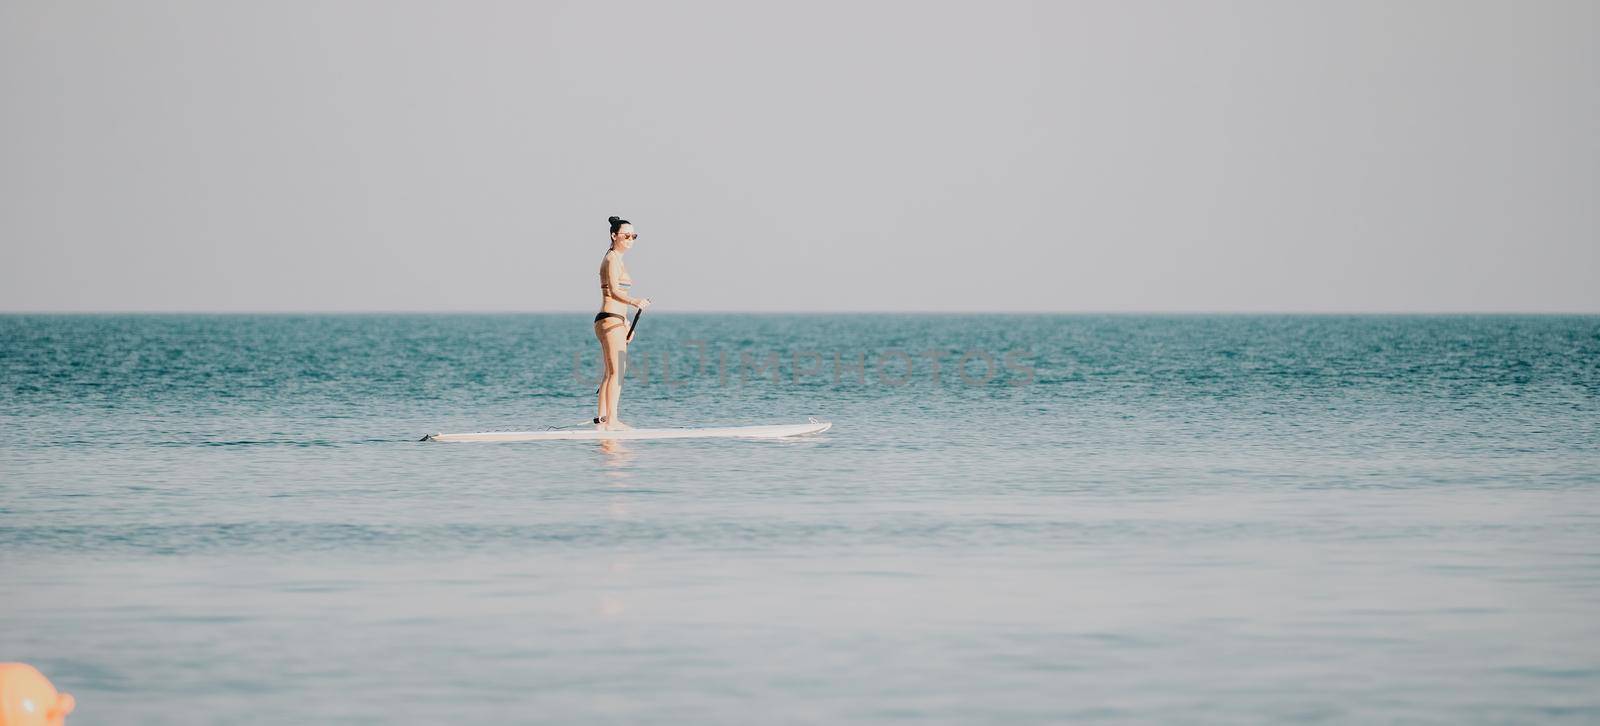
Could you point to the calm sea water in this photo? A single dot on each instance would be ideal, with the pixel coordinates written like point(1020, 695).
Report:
point(229, 519)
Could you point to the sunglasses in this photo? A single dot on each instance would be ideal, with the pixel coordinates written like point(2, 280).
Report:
point(628, 235)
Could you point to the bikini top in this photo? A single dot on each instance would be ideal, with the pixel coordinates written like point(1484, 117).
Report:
point(624, 281)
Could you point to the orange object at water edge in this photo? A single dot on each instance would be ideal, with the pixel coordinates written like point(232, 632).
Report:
point(28, 699)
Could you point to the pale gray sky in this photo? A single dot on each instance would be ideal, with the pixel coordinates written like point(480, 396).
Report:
point(1058, 156)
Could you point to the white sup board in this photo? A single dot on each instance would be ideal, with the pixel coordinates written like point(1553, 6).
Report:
point(741, 432)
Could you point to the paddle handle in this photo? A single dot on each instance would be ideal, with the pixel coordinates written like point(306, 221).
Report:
point(634, 324)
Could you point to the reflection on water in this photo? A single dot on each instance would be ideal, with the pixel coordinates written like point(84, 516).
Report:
point(617, 465)
point(617, 454)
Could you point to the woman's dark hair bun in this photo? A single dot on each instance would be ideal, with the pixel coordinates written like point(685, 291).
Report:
point(616, 223)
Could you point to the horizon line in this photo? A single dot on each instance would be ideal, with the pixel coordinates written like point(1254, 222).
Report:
point(803, 312)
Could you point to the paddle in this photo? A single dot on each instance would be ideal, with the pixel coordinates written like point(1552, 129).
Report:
point(635, 323)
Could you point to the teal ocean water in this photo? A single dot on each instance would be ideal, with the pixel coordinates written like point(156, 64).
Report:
point(229, 519)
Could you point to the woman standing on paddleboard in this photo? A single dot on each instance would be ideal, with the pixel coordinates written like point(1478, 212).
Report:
point(611, 324)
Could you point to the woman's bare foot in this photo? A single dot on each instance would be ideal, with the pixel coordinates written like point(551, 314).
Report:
point(619, 426)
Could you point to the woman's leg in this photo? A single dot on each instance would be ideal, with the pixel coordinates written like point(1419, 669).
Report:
point(603, 404)
point(617, 338)
point(612, 342)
